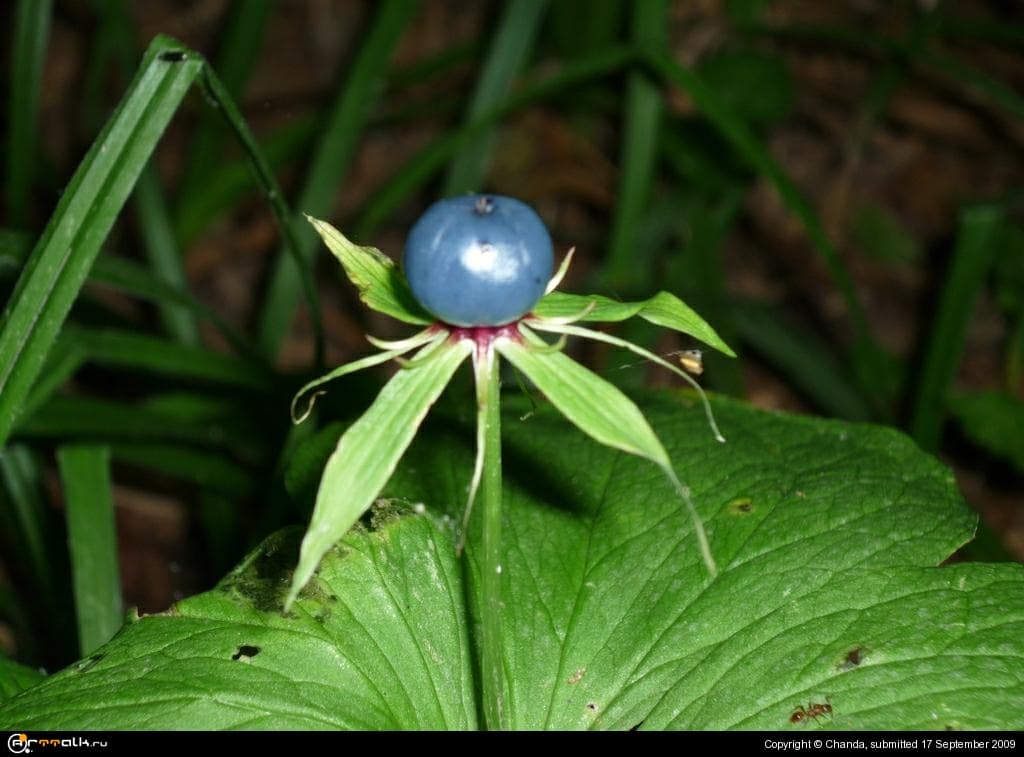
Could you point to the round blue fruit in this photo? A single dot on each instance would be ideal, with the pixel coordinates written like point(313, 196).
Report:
point(479, 260)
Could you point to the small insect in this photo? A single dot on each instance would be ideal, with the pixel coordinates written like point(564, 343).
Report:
point(814, 710)
point(692, 361)
point(173, 56)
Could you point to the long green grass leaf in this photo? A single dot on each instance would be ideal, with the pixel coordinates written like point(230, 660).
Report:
point(431, 159)
point(31, 32)
point(98, 420)
point(25, 517)
point(213, 473)
point(341, 133)
point(162, 250)
point(972, 259)
point(627, 267)
point(807, 363)
point(369, 451)
point(757, 155)
point(139, 352)
point(63, 256)
point(92, 542)
point(509, 51)
point(234, 62)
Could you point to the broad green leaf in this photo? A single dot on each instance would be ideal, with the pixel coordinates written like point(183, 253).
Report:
point(381, 285)
point(663, 309)
point(993, 421)
point(361, 651)
point(602, 411)
point(15, 678)
point(830, 535)
point(88, 207)
point(369, 450)
point(92, 542)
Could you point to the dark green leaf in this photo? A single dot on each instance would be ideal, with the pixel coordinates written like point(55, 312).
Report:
point(829, 535)
point(92, 541)
point(993, 421)
point(89, 205)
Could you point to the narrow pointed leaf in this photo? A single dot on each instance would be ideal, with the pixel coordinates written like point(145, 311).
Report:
point(381, 285)
point(61, 260)
point(663, 309)
point(597, 407)
point(357, 365)
point(92, 542)
point(368, 452)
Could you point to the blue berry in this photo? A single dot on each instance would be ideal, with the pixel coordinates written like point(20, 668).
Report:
point(479, 260)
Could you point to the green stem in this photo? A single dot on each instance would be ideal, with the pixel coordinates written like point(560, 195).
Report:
point(488, 389)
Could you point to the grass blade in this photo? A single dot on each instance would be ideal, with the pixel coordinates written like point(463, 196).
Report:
point(509, 50)
point(31, 33)
point(214, 474)
point(128, 277)
point(92, 542)
point(163, 253)
point(27, 516)
point(628, 269)
point(60, 263)
point(226, 187)
point(757, 155)
point(234, 63)
point(804, 360)
point(129, 350)
point(418, 170)
point(340, 136)
point(972, 259)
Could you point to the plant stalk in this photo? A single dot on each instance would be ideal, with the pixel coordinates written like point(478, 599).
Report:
point(488, 388)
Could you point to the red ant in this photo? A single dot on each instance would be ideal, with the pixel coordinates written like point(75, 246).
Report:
point(813, 711)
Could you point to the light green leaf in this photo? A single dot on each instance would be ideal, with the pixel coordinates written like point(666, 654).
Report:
point(597, 407)
point(357, 365)
point(368, 452)
point(663, 309)
point(600, 410)
point(381, 285)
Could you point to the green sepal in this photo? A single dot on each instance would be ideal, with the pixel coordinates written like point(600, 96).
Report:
point(381, 285)
point(663, 309)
